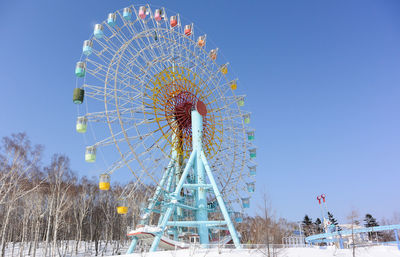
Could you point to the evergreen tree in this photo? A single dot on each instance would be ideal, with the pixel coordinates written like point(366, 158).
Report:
point(333, 221)
point(318, 226)
point(370, 221)
point(307, 225)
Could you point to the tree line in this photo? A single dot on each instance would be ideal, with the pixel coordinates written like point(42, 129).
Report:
point(310, 227)
point(48, 207)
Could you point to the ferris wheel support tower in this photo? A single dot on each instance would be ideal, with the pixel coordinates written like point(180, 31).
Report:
point(201, 170)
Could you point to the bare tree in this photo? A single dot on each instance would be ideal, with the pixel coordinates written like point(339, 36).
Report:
point(266, 215)
point(353, 219)
point(60, 181)
point(18, 160)
point(84, 198)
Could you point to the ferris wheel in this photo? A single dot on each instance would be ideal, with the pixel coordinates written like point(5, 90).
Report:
point(141, 76)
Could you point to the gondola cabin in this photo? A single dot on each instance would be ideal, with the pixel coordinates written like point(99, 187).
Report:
point(127, 13)
point(246, 202)
point(90, 154)
point(173, 21)
point(142, 12)
point(98, 31)
point(104, 182)
point(240, 100)
point(251, 187)
point(213, 54)
point(250, 135)
point(233, 84)
point(253, 153)
point(253, 171)
point(246, 118)
point(87, 47)
point(238, 217)
point(224, 69)
point(158, 15)
point(78, 95)
point(81, 124)
point(188, 30)
point(80, 69)
point(122, 206)
point(111, 19)
point(201, 41)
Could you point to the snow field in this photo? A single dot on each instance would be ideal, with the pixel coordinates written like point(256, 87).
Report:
point(374, 251)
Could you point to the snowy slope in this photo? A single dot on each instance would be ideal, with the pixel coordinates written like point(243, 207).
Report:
point(375, 251)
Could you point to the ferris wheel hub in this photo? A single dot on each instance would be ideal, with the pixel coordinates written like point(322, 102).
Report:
point(182, 105)
point(201, 108)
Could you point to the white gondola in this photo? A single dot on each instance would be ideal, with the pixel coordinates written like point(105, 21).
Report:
point(81, 124)
point(127, 13)
point(90, 154)
point(80, 69)
point(98, 31)
point(111, 19)
point(87, 47)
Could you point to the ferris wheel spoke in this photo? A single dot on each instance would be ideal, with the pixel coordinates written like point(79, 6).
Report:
point(112, 117)
point(112, 61)
point(233, 100)
point(99, 70)
point(99, 92)
point(125, 159)
point(216, 81)
point(114, 139)
point(117, 34)
point(145, 40)
point(106, 46)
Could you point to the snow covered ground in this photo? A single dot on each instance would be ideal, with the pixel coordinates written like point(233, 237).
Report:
point(115, 249)
point(374, 251)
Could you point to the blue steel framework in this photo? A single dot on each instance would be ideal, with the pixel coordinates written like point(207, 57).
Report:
point(198, 163)
point(337, 235)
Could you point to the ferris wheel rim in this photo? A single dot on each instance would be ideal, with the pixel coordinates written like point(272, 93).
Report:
point(127, 138)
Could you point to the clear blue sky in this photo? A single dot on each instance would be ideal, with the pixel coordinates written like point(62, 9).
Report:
point(322, 80)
